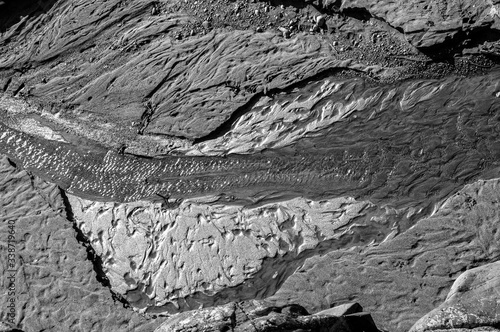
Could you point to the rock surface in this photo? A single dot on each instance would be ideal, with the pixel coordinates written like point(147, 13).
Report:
point(157, 257)
point(52, 282)
point(116, 71)
point(407, 276)
point(378, 114)
point(473, 302)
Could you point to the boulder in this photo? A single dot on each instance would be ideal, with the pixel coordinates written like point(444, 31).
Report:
point(473, 302)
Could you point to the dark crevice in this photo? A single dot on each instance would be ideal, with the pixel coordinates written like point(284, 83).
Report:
point(460, 41)
point(11, 163)
point(19, 88)
point(146, 117)
point(92, 256)
point(358, 13)
point(7, 83)
point(227, 125)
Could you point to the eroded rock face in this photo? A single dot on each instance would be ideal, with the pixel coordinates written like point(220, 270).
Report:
point(52, 282)
point(155, 256)
point(428, 24)
point(473, 301)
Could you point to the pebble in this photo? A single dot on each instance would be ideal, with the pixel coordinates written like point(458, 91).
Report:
point(285, 31)
point(320, 21)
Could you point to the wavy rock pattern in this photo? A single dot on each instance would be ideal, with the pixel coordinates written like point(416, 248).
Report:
point(203, 247)
point(404, 278)
point(151, 84)
point(367, 157)
point(55, 286)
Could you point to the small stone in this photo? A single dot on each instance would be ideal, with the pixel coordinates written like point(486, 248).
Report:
point(320, 21)
point(266, 9)
point(285, 31)
point(259, 29)
point(206, 25)
point(256, 12)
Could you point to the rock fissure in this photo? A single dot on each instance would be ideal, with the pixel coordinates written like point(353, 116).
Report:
point(92, 256)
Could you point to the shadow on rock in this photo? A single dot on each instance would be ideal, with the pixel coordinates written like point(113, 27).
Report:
point(12, 11)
